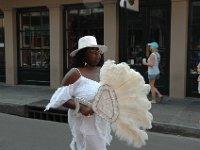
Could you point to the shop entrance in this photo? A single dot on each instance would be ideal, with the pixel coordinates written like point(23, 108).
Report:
point(151, 23)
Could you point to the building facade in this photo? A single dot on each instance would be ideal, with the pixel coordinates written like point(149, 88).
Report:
point(37, 37)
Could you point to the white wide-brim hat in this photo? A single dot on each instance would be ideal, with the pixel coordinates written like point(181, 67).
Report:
point(88, 41)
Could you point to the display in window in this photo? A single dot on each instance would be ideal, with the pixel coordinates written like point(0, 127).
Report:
point(40, 59)
point(35, 59)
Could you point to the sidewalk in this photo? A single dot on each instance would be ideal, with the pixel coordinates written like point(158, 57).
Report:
point(174, 116)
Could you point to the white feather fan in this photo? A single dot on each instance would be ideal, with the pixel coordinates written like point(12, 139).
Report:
point(121, 99)
point(133, 116)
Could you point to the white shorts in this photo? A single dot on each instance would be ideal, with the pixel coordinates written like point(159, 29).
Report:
point(199, 87)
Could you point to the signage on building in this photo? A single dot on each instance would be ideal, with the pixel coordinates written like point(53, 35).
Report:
point(130, 4)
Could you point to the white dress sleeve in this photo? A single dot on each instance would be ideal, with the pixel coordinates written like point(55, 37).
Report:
point(59, 97)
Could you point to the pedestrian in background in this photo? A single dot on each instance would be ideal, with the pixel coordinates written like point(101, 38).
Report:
point(153, 70)
point(198, 79)
point(89, 131)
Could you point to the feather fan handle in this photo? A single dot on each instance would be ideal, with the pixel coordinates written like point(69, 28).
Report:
point(131, 92)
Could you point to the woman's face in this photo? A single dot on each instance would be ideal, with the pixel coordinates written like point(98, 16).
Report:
point(151, 48)
point(93, 56)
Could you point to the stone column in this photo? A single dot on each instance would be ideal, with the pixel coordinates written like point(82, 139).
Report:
point(56, 45)
point(178, 53)
point(111, 31)
point(10, 45)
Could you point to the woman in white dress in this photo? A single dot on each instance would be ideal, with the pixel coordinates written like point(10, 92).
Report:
point(89, 131)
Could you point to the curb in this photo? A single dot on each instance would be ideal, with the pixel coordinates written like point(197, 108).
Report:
point(175, 130)
point(13, 109)
point(60, 115)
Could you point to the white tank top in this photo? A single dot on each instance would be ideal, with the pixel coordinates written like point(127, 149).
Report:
point(155, 68)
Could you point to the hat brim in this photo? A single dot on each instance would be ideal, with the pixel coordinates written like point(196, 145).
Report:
point(103, 48)
point(150, 44)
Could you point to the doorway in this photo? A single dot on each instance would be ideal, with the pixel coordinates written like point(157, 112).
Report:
point(151, 23)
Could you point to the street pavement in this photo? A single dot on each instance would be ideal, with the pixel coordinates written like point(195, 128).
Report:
point(20, 133)
point(173, 116)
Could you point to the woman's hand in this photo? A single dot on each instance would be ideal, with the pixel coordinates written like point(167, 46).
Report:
point(86, 111)
point(144, 63)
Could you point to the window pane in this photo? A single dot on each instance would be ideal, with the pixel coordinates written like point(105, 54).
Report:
point(25, 58)
point(195, 22)
point(25, 38)
point(45, 20)
point(36, 39)
point(158, 26)
point(135, 41)
point(35, 20)
point(45, 41)
point(24, 21)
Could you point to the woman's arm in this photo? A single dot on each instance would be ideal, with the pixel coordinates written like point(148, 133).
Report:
point(71, 77)
point(150, 64)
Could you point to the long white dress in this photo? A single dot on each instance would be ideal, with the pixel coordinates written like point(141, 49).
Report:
point(89, 133)
point(93, 133)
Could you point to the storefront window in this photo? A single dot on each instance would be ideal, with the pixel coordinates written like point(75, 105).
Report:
point(2, 49)
point(81, 21)
point(2, 45)
point(193, 48)
point(33, 46)
point(195, 36)
point(34, 39)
